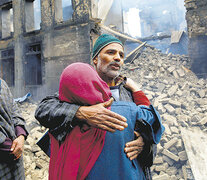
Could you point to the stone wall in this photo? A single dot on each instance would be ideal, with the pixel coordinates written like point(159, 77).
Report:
point(196, 17)
point(61, 42)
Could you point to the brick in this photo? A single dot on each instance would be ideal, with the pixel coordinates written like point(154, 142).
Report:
point(169, 108)
point(167, 129)
point(159, 148)
point(181, 72)
point(171, 69)
point(173, 177)
point(172, 90)
point(156, 103)
point(165, 100)
point(175, 103)
point(161, 177)
point(168, 160)
point(170, 155)
point(170, 143)
point(173, 150)
point(172, 171)
point(195, 118)
point(174, 130)
point(162, 167)
point(179, 93)
point(175, 74)
point(202, 93)
point(179, 145)
point(161, 109)
point(170, 119)
point(184, 172)
point(158, 160)
point(183, 156)
point(178, 111)
point(203, 121)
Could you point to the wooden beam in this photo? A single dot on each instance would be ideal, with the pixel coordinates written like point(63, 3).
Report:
point(123, 35)
point(134, 54)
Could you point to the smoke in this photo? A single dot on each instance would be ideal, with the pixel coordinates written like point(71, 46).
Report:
point(147, 18)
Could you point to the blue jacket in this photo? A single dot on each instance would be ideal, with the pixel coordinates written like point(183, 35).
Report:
point(113, 163)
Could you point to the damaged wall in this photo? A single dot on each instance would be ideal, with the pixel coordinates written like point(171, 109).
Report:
point(51, 48)
point(196, 17)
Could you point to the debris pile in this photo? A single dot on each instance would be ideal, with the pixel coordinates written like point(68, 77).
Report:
point(36, 162)
point(178, 95)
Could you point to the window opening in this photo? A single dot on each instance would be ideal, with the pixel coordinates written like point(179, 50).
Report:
point(7, 21)
point(67, 9)
point(7, 66)
point(37, 14)
point(32, 15)
point(33, 65)
point(63, 10)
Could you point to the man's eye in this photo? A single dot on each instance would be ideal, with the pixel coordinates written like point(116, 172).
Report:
point(121, 55)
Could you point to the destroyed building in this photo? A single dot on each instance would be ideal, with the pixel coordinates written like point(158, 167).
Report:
point(196, 17)
point(38, 39)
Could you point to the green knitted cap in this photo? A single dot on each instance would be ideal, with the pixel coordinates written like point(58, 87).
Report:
point(102, 41)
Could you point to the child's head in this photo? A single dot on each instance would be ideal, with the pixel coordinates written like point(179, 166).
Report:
point(80, 84)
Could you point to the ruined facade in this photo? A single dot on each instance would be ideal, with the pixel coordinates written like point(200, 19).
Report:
point(31, 57)
point(196, 17)
point(37, 44)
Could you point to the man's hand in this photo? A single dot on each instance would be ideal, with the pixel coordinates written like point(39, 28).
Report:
point(134, 148)
point(131, 85)
point(100, 117)
point(17, 146)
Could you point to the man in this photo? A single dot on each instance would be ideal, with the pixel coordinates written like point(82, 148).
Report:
point(108, 58)
point(12, 136)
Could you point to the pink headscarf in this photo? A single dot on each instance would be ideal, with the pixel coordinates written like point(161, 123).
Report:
point(79, 84)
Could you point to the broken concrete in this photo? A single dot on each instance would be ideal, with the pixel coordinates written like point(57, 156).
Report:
point(195, 142)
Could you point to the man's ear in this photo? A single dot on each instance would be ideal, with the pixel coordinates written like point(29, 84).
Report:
point(95, 60)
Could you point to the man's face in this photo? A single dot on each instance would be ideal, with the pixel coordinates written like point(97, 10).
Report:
point(109, 61)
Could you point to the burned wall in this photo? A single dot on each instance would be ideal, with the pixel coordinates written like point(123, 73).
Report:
point(196, 17)
point(41, 54)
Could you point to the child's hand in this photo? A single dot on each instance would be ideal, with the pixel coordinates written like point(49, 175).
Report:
point(134, 148)
point(131, 85)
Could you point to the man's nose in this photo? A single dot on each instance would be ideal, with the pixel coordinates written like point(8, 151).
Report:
point(117, 57)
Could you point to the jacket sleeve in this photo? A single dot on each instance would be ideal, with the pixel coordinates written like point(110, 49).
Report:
point(151, 129)
point(56, 115)
point(140, 98)
point(149, 123)
point(16, 117)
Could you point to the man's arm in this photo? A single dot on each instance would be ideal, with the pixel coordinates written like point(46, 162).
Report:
point(100, 117)
point(56, 115)
point(60, 117)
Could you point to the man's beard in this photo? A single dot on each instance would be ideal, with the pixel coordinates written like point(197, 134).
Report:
point(109, 73)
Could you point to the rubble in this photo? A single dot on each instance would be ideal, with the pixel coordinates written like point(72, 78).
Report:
point(36, 162)
point(180, 99)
